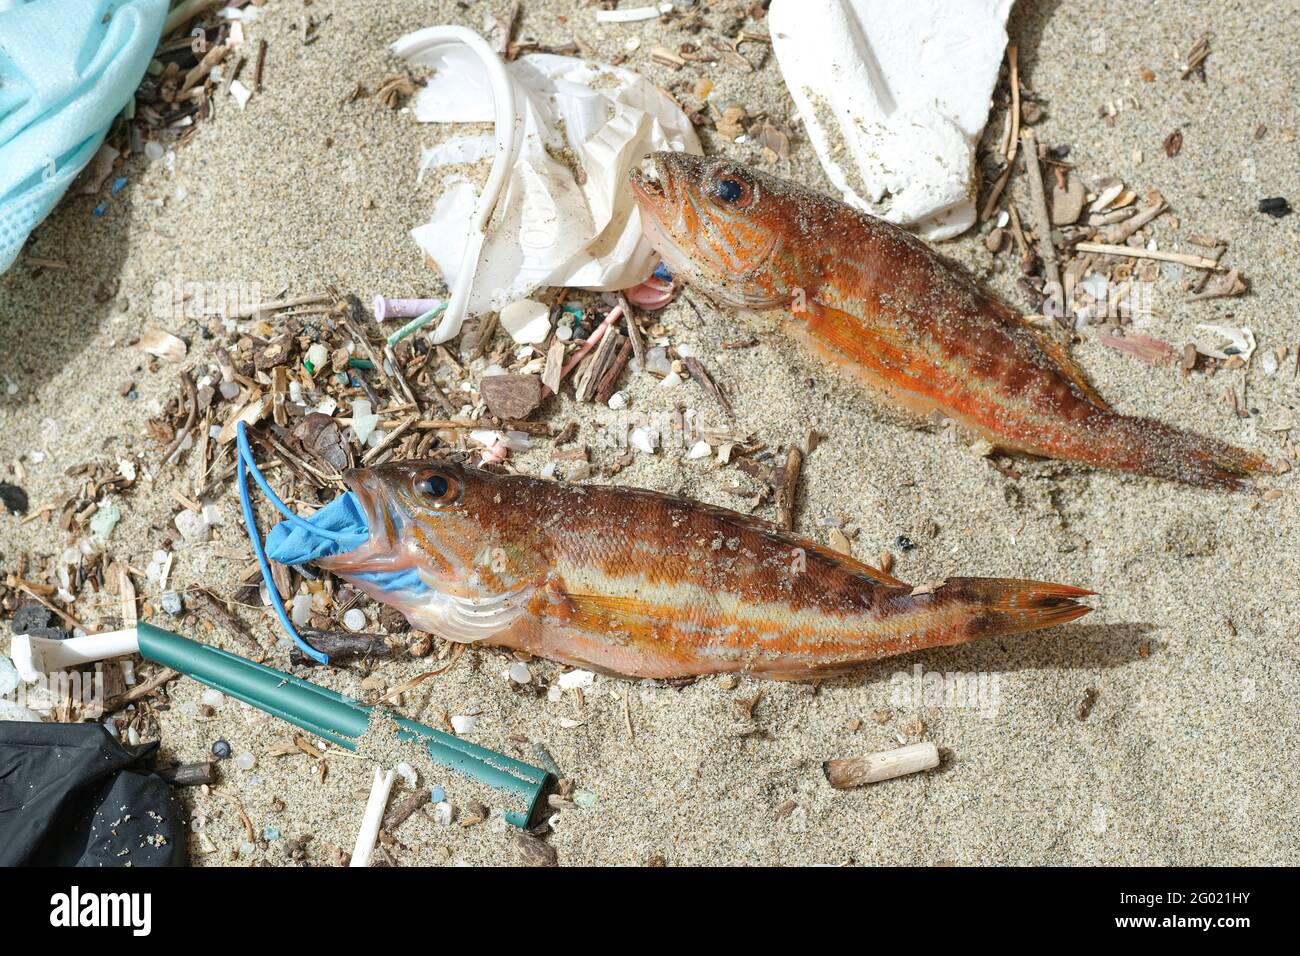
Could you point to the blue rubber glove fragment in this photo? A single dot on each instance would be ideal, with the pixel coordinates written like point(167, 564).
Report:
point(288, 544)
point(67, 67)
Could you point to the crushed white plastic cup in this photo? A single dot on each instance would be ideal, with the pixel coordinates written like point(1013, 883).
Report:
point(537, 221)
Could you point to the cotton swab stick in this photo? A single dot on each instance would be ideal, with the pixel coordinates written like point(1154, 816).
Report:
point(370, 820)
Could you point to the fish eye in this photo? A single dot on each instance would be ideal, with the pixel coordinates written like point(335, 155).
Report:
point(438, 488)
point(731, 190)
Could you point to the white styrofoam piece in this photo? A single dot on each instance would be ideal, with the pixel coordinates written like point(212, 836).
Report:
point(894, 96)
point(533, 224)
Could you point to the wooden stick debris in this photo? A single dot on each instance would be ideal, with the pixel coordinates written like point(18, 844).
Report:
point(886, 765)
point(592, 341)
point(389, 440)
point(702, 378)
point(340, 646)
point(1119, 232)
point(1196, 262)
point(1013, 68)
point(192, 412)
point(258, 65)
point(1041, 217)
point(608, 384)
point(320, 298)
point(201, 774)
point(222, 615)
point(202, 69)
point(438, 424)
point(633, 333)
point(141, 691)
point(787, 493)
point(402, 812)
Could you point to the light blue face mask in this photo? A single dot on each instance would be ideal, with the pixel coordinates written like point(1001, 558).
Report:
point(67, 67)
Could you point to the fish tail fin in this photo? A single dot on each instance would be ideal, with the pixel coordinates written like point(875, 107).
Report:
point(1149, 447)
point(1002, 606)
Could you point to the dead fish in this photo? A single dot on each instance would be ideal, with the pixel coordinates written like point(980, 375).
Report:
point(916, 330)
point(642, 584)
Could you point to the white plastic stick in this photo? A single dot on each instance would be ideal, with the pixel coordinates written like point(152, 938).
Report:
point(36, 656)
point(507, 121)
point(632, 15)
point(371, 819)
point(872, 768)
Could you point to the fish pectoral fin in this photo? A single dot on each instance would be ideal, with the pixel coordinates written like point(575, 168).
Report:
point(609, 614)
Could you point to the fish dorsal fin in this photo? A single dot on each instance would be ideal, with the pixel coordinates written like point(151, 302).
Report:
point(861, 567)
point(1066, 365)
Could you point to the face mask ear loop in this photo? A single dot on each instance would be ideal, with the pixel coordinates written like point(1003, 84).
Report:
point(302, 524)
point(246, 465)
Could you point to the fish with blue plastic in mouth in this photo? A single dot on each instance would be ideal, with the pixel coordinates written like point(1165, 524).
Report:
point(917, 331)
point(641, 584)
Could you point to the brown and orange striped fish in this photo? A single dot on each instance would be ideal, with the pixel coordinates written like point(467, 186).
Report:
point(917, 330)
point(642, 584)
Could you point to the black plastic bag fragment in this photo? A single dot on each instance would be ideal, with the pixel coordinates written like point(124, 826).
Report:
point(71, 795)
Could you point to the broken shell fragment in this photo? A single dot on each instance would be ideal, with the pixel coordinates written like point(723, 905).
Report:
point(1241, 341)
point(164, 345)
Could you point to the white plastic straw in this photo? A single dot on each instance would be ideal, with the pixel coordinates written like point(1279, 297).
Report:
point(507, 136)
point(36, 656)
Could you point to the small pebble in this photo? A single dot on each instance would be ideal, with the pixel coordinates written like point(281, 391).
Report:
point(172, 603)
point(318, 357)
point(301, 613)
point(1277, 207)
point(192, 526)
point(104, 521)
point(527, 321)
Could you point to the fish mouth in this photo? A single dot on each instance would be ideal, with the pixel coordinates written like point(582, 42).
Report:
point(370, 495)
point(661, 212)
point(651, 189)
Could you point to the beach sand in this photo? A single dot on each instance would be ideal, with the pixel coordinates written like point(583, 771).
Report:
point(1188, 754)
